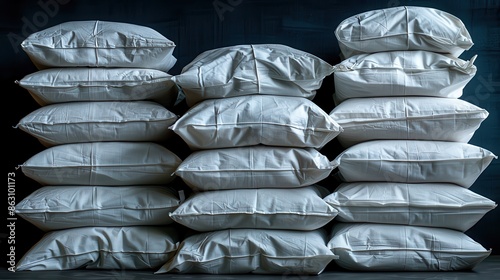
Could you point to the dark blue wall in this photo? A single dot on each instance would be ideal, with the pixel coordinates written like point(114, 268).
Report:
point(196, 26)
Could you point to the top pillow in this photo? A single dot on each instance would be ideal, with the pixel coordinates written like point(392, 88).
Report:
point(252, 69)
point(99, 44)
point(403, 28)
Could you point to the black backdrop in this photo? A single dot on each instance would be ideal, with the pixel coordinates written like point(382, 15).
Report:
point(199, 25)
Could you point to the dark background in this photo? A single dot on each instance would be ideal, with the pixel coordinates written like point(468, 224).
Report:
point(196, 26)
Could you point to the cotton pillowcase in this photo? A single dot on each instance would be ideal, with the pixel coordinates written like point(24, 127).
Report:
point(61, 207)
point(103, 164)
point(378, 247)
point(58, 85)
point(254, 167)
point(258, 251)
point(425, 204)
point(256, 119)
point(413, 161)
point(97, 43)
point(293, 209)
point(136, 247)
point(77, 122)
point(403, 28)
point(412, 118)
point(402, 73)
point(252, 69)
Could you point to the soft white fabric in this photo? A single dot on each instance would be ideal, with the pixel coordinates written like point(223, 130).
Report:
point(412, 161)
point(76, 122)
point(256, 119)
point(294, 209)
point(252, 69)
point(403, 28)
point(259, 251)
point(402, 73)
point(425, 204)
point(57, 85)
point(412, 118)
point(103, 164)
point(254, 167)
point(60, 207)
point(378, 247)
point(139, 247)
point(97, 43)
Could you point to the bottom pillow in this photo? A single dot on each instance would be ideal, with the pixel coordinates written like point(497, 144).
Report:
point(264, 251)
point(378, 247)
point(139, 247)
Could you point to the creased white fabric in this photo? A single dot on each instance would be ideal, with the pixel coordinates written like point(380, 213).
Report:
point(259, 251)
point(412, 118)
point(77, 122)
point(60, 207)
point(402, 73)
point(378, 247)
point(252, 69)
point(412, 161)
point(403, 28)
point(256, 119)
point(139, 247)
point(424, 204)
point(294, 209)
point(57, 85)
point(254, 167)
point(103, 163)
point(97, 43)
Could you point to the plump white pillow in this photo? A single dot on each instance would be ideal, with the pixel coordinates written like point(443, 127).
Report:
point(259, 251)
point(97, 43)
point(76, 122)
point(402, 73)
point(412, 161)
point(254, 167)
point(256, 119)
point(294, 209)
point(103, 164)
point(60, 207)
point(412, 118)
point(252, 69)
point(378, 247)
point(57, 85)
point(425, 204)
point(135, 247)
point(403, 28)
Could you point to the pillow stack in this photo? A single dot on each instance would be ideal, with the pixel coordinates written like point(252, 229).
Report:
point(254, 133)
point(404, 202)
point(105, 200)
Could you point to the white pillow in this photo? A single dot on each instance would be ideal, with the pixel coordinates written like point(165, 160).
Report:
point(252, 69)
point(139, 247)
point(294, 209)
point(402, 73)
point(57, 85)
point(103, 164)
point(97, 43)
point(254, 167)
point(412, 161)
point(76, 122)
point(412, 118)
point(425, 204)
point(256, 119)
point(377, 247)
point(403, 28)
point(259, 251)
point(60, 207)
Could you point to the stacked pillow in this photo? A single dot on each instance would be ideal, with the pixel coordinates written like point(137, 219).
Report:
point(254, 133)
point(105, 175)
point(407, 165)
